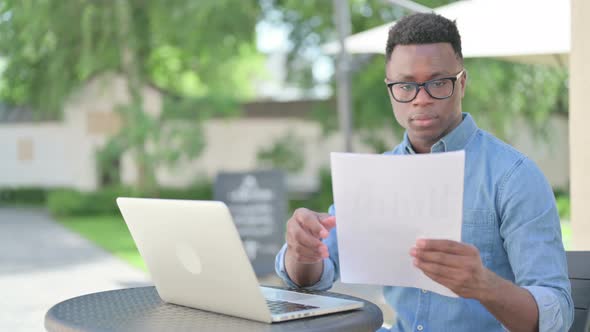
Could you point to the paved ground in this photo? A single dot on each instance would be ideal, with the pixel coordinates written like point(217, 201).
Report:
point(42, 263)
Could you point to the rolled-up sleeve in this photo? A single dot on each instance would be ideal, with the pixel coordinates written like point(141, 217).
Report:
point(550, 304)
point(325, 282)
point(532, 239)
point(331, 268)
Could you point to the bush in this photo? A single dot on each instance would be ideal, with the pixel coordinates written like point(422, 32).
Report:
point(202, 191)
point(69, 202)
point(65, 202)
point(23, 196)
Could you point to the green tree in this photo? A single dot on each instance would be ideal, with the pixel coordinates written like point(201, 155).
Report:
point(201, 54)
point(499, 91)
point(286, 153)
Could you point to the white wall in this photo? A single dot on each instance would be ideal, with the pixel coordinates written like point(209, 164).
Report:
point(50, 165)
point(62, 156)
point(232, 145)
point(579, 119)
point(64, 153)
point(97, 101)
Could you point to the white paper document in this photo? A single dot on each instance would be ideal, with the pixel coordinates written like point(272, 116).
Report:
point(384, 203)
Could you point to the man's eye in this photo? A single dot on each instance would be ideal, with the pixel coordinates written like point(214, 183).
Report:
point(406, 87)
point(438, 84)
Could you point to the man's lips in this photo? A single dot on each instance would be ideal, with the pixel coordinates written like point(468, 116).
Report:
point(422, 119)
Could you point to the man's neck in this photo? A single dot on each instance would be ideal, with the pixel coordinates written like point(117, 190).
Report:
point(420, 146)
point(425, 145)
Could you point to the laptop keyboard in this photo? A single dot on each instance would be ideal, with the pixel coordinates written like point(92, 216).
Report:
point(279, 307)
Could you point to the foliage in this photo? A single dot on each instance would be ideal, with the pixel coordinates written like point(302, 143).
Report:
point(499, 91)
point(311, 24)
point(186, 47)
point(189, 49)
point(23, 196)
point(286, 153)
point(207, 106)
point(69, 202)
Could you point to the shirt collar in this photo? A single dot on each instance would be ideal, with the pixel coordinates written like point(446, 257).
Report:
point(455, 140)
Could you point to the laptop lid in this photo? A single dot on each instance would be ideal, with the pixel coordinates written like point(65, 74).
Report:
point(195, 256)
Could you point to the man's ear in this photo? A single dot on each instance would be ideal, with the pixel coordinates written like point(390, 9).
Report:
point(463, 83)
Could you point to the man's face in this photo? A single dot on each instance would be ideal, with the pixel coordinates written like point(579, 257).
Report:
point(426, 119)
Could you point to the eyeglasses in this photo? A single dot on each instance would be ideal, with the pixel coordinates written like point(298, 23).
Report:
point(440, 88)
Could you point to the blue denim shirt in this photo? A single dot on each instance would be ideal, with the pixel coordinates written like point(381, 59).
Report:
point(509, 214)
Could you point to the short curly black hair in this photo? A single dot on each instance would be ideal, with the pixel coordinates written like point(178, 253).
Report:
point(423, 29)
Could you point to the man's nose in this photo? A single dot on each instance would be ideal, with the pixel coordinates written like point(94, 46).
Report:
point(422, 97)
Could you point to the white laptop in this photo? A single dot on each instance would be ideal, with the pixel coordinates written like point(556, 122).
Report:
point(195, 256)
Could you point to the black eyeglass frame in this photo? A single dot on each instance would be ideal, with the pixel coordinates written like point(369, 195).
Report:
point(425, 85)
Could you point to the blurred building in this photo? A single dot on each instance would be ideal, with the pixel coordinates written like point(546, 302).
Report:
point(62, 153)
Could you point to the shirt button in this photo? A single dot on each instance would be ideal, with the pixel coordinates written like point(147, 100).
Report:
point(424, 291)
point(420, 327)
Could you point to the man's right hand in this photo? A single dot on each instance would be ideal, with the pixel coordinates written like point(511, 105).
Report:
point(305, 250)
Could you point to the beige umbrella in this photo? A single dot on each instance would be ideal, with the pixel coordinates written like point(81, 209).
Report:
point(530, 31)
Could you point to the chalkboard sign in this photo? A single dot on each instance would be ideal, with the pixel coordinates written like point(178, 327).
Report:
point(258, 203)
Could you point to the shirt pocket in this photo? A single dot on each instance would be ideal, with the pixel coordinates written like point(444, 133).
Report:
point(478, 229)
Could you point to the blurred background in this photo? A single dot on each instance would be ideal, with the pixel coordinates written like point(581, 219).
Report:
point(100, 99)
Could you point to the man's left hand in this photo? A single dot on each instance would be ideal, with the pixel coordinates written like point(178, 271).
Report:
point(454, 265)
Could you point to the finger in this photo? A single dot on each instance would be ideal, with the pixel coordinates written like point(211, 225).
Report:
point(328, 222)
point(447, 246)
point(438, 257)
point(438, 270)
point(303, 238)
point(297, 236)
point(310, 221)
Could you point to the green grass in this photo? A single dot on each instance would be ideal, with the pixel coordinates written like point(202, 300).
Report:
point(111, 233)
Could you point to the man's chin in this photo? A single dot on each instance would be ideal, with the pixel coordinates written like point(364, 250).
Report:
point(425, 134)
